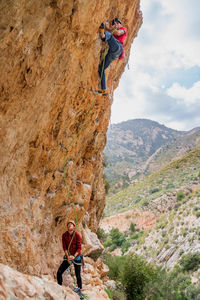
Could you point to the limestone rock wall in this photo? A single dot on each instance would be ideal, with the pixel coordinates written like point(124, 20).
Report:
point(49, 56)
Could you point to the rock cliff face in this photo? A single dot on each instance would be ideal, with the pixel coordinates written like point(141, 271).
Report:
point(49, 56)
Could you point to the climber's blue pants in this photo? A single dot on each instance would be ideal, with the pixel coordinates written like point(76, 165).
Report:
point(115, 50)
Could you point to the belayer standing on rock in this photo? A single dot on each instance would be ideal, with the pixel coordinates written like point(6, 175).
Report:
point(71, 242)
point(115, 35)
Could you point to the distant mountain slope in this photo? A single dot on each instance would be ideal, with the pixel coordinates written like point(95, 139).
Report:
point(172, 150)
point(181, 172)
point(135, 148)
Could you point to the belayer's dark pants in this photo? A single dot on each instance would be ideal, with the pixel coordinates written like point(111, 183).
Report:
point(64, 267)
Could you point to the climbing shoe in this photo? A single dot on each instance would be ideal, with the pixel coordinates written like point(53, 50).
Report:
point(102, 31)
point(81, 295)
point(76, 290)
point(102, 92)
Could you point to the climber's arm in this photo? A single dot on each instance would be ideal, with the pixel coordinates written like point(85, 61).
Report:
point(118, 32)
point(114, 30)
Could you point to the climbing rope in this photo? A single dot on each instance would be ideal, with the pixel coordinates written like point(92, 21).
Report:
point(67, 151)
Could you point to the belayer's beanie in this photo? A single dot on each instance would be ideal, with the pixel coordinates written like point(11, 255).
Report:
point(116, 20)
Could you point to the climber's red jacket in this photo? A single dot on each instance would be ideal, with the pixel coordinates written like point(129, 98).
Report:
point(75, 245)
point(121, 39)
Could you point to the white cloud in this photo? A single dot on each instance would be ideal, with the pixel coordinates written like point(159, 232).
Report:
point(167, 46)
point(189, 96)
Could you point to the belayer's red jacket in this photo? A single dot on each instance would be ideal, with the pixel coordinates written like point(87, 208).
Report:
point(75, 245)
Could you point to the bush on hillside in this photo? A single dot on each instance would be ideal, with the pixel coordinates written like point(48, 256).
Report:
point(190, 261)
point(102, 235)
point(154, 190)
point(170, 186)
point(132, 227)
point(170, 286)
point(140, 280)
point(197, 214)
point(106, 184)
point(193, 292)
point(125, 246)
point(115, 264)
point(180, 195)
point(117, 237)
point(135, 275)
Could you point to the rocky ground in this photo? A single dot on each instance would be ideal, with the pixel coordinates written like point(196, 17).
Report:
point(17, 286)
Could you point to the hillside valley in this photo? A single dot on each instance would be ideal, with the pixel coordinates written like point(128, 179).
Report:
point(159, 216)
point(137, 148)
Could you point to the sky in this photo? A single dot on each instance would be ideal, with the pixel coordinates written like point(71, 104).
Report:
point(162, 82)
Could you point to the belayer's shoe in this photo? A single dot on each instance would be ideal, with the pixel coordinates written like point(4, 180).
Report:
point(81, 295)
point(76, 290)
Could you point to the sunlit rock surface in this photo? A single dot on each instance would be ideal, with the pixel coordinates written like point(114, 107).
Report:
point(15, 285)
point(49, 56)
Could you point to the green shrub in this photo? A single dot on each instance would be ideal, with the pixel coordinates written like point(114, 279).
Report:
point(197, 214)
point(145, 203)
point(101, 234)
point(180, 195)
point(118, 295)
point(140, 280)
point(190, 261)
point(115, 264)
point(117, 237)
point(136, 273)
point(106, 184)
point(107, 244)
point(193, 292)
point(170, 186)
point(132, 227)
point(125, 246)
point(109, 293)
point(154, 190)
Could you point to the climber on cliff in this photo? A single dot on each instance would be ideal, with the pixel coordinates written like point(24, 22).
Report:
point(71, 242)
point(115, 35)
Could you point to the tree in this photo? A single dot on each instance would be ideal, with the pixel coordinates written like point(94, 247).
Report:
point(132, 227)
point(135, 275)
point(180, 195)
point(190, 261)
point(117, 237)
